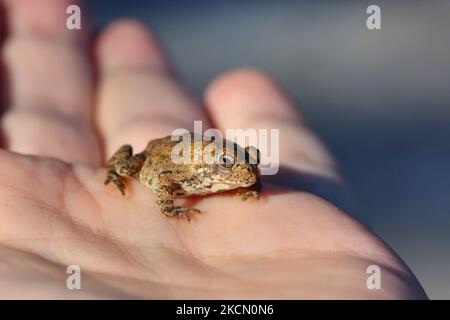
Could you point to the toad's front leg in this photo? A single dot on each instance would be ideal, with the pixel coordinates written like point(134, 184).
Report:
point(250, 192)
point(166, 198)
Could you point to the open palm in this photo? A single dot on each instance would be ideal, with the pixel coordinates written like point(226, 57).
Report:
point(59, 127)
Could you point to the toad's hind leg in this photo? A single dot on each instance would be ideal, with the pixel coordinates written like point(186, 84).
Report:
point(166, 199)
point(123, 164)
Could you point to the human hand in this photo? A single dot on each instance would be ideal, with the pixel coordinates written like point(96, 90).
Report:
point(61, 125)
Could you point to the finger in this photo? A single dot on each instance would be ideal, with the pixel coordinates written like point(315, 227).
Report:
point(247, 99)
point(3, 83)
point(139, 98)
point(50, 83)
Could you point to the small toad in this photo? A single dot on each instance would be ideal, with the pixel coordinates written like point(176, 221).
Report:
point(207, 166)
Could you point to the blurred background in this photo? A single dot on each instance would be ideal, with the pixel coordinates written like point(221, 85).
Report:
point(380, 99)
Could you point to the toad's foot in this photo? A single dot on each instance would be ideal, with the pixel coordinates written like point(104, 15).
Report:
point(182, 213)
point(249, 192)
point(117, 180)
point(246, 194)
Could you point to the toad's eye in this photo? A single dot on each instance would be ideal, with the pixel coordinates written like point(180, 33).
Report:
point(226, 161)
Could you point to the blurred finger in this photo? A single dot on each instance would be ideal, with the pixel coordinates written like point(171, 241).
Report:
point(50, 110)
point(3, 83)
point(247, 99)
point(139, 98)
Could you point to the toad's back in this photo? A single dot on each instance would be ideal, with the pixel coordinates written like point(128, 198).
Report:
point(157, 159)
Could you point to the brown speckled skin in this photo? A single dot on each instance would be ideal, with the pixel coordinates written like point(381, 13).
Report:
point(155, 169)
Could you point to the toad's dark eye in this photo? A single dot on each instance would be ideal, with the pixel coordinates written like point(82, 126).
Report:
point(226, 161)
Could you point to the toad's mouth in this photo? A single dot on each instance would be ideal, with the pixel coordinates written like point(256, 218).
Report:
point(218, 187)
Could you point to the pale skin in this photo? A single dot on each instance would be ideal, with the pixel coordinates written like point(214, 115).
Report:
point(59, 128)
